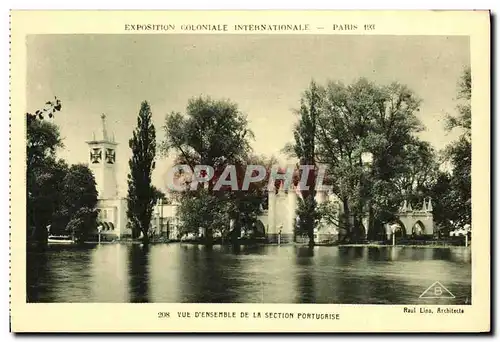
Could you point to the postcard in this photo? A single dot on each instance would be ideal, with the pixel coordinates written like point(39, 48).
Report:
point(250, 171)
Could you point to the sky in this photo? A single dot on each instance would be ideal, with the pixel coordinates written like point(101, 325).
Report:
point(264, 74)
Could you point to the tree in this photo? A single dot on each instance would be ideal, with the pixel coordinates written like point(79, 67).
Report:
point(452, 189)
point(45, 196)
point(444, 213)
point(463, 119)
point(59, 197)
point(359, 118)
point(304, 149)
point(214, 210)
point(43, 139)
point(64, 199)
point(459, 154)
point(460, 158)
point(328, 212)
point(204, 210)
point(158, 194)
point(212, 133)
point(82, 222)
point(80, 200)
point(418, 173)
point(141, 194)
point(43, 172)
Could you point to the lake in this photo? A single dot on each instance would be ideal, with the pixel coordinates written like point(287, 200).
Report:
point(186, 273)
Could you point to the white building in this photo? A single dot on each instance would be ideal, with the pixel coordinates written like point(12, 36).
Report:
point(280, 219)
point(112, 208)
point(165, 221)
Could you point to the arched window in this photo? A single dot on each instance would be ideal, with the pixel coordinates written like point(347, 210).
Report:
point(418, 228)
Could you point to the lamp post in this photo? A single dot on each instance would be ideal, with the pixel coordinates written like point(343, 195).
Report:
point(393, 230)
point(99, 228)
point(367, 162)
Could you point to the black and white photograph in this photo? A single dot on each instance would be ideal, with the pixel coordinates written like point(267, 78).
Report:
point(387, 117)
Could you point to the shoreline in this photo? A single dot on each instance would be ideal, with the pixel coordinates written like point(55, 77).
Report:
point(411, 246)
point(356, 245)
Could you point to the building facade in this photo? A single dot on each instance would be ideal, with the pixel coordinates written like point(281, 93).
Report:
point(418, 221)
point(280, 219)
point(112, 209)
point(165, 222)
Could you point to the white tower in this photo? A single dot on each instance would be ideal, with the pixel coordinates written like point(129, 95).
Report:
point(102, 161)
point(271, 228)
point(292, 211)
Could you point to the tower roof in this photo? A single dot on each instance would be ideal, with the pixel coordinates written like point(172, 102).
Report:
point(103, 137)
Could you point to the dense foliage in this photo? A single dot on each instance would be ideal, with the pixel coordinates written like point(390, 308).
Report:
point(361, 118)
point(213, 133)
point(454, 184)
point(366, 118)
point(61, 199)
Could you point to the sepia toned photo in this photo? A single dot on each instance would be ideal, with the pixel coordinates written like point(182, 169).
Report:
point(298, 168)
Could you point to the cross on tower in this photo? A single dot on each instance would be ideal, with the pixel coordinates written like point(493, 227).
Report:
point(102, 161)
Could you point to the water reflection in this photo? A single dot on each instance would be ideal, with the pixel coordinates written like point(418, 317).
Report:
point(138, 260)
point(306, 291)
point(56, 274)
point(375, 254)
point(109, 265)
point(36, 274)
point(211, 273)
point(164, 274)
point(259, 274)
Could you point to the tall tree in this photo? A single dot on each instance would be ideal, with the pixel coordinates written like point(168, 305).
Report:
point(141, 193)
point(304, 148)
point(452, 189)
point(459, 153)
point(213, 133)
